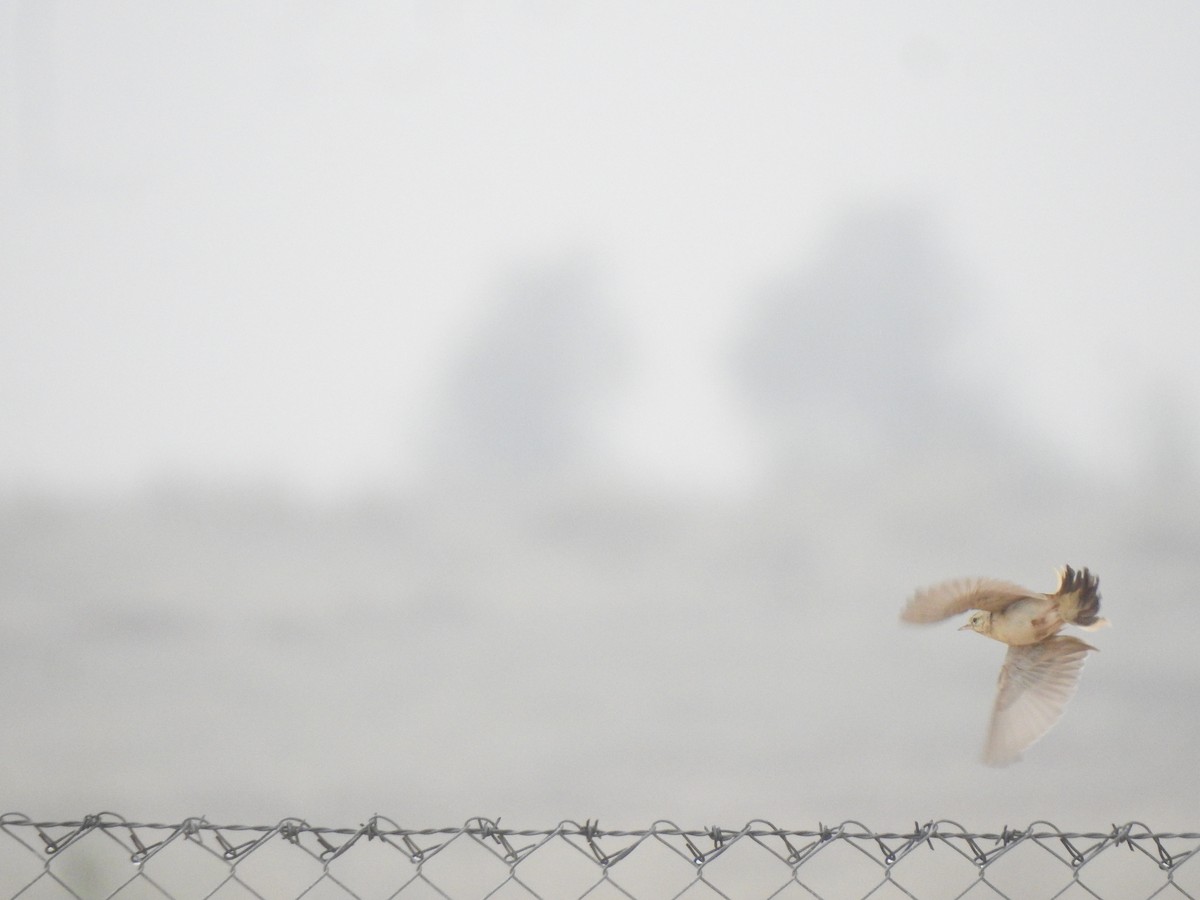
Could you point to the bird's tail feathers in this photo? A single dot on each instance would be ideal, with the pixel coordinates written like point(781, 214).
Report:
point(1079, 598)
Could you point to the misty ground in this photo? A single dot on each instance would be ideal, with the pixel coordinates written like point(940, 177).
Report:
point(581, 654)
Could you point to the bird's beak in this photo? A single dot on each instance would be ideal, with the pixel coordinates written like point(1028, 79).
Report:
point(966, 627)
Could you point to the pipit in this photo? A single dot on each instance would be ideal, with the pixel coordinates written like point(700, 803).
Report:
point(1041, 670)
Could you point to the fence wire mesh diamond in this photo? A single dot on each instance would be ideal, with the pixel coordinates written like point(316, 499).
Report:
point(104, 856)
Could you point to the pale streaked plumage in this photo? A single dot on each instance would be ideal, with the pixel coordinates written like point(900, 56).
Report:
point(1041, 670)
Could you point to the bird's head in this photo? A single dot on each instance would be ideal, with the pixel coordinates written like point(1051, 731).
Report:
point(980, 621)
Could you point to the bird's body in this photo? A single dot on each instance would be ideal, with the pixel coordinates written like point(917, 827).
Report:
point(1026, 621)
point(1041, 669)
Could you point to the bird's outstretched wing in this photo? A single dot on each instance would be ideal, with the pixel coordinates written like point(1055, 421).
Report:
point(1036, 682)
point(932, 604)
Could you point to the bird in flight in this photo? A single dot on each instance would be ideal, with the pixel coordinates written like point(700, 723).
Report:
point(1041, 670)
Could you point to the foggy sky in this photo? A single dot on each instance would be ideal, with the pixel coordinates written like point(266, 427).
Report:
point(256, 243)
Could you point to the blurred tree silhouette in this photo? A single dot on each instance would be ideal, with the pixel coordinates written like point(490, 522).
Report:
point(520, 404)
point(857, 341)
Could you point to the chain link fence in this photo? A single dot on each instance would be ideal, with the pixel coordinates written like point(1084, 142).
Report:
point(106, 856)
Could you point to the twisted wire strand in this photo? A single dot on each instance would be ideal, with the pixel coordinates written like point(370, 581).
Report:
point(489, 828)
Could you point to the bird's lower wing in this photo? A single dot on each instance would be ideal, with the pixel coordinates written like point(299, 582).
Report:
point(932, 604)
point(1036, 682)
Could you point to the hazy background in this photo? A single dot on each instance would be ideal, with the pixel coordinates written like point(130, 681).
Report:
point(543, 410)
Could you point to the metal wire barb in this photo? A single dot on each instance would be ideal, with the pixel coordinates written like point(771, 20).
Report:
point(107, 856)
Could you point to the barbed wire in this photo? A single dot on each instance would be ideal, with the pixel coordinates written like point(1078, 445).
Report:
point(106, 856)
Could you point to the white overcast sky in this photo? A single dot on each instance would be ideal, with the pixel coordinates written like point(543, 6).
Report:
point(252, 240)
